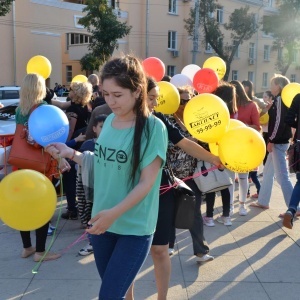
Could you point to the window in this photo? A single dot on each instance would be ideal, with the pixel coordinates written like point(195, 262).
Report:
point(113, 4)
point(77, 38)
point(251, 76)
point(234, 75)
point(76, 19)
point(208, 48)
point(173, 6)
point(220, 14)
point(270, 3)
point(267, 52)
point(237, 51)
point(265, 80)
point(171, 70)
point(172, 40)
point(252, 51)
point(69, 75)
point(293, 78)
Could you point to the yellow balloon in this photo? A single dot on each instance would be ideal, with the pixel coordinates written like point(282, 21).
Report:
point(40, 65)
point(214, 148)
point(242, 149)
point(289, 92)
point(168, 99)
point(217, 64)
point(80, 78)
point(264, 119)
point(27, 200)
point(233, 123)
point(206, 117)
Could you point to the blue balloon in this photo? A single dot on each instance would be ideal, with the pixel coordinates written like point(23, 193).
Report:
point(48, 124)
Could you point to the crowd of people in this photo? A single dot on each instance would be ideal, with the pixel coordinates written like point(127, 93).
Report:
point(120, 151)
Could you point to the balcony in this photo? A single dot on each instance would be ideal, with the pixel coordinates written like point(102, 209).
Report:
point(76, 52)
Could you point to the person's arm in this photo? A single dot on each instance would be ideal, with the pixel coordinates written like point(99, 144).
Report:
point(58, 150)
point(61, 104)
point(104, 219)
point(195, 150)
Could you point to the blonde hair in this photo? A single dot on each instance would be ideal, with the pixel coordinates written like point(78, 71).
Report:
point(33, 91)
point(82, 92)
point(93, 79)
point(280, 80)
point(185, 89)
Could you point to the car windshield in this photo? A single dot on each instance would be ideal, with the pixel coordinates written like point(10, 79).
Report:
point(9, 94)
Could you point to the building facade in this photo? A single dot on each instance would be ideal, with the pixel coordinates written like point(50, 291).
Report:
point(50, 28)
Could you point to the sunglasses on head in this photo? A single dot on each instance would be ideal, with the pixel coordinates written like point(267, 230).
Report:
point(184, 101)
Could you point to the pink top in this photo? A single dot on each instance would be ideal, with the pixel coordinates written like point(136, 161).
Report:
point(249, 114)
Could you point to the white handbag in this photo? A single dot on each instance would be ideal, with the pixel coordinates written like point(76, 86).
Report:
point(211, 181)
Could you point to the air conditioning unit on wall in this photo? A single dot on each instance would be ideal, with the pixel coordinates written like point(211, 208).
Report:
point(251, 61)
point(175, 53)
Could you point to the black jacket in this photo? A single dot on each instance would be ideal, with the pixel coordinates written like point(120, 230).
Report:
point(293, 114)
point(279, 132)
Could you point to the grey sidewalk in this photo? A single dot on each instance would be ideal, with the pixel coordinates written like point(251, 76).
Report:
point(255, 258)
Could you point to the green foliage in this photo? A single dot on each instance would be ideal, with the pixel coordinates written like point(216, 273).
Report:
point(241, 26)
point(89, 63)
point(104, 27)
point(5, 6)
point(285, 28)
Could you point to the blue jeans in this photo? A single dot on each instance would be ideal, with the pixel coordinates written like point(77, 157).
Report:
point(276, 163)
point(295, 199)
point(118, 260)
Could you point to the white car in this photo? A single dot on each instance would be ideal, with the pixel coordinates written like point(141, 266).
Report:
point(7, 130)
point(9, 95)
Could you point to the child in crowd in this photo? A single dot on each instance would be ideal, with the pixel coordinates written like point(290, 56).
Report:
point(84, 194)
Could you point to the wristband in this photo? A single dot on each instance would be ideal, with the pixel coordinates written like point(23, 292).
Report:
point(73, 155)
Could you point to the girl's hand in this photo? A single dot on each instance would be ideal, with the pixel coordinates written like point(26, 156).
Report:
point(58, 150)
point(64, 166)
point(101, 222)
point(80, 138)
point(217, 162)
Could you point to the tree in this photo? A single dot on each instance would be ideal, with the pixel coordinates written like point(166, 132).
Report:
point(5, 6)
point(104, 27)
point(89, 63)
point(285, 28)
point(241, 26)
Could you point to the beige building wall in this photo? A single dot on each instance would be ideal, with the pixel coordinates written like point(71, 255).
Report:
point(42, 25)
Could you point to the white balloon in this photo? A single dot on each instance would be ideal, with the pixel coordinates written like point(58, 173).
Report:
point(181, 80)
point(190, 71)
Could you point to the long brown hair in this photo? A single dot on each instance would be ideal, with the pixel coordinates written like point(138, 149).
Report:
point(226, 91)
point(128, 73)
point(242, 98)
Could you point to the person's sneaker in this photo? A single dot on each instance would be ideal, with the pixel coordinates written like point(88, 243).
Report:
point(288, 219)
point(171, 251)
point(205, 258)
point(254, 196)
point(243, 210)
point(231, 211)
point(51, 229)
point(224, 220)
point(87, 250)
point(208, 221)
point(70, 215)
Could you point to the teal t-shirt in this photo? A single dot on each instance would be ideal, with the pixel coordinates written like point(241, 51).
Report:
point(112, 167)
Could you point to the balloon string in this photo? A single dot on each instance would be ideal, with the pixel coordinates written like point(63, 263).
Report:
point(166, 188)
point(36, 267)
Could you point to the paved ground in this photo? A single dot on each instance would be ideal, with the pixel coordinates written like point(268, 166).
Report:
point(255, 258)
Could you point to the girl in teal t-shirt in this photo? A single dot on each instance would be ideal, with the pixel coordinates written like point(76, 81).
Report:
point(128, 160)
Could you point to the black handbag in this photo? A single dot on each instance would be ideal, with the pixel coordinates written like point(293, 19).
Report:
point(185, 202)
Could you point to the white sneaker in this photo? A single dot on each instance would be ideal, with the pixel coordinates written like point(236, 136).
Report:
point(231, 211)
point(87, 250)
point(224, 220)
point(171, 251)
point(243, 211)
point(205, 258)
point(208, 221)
